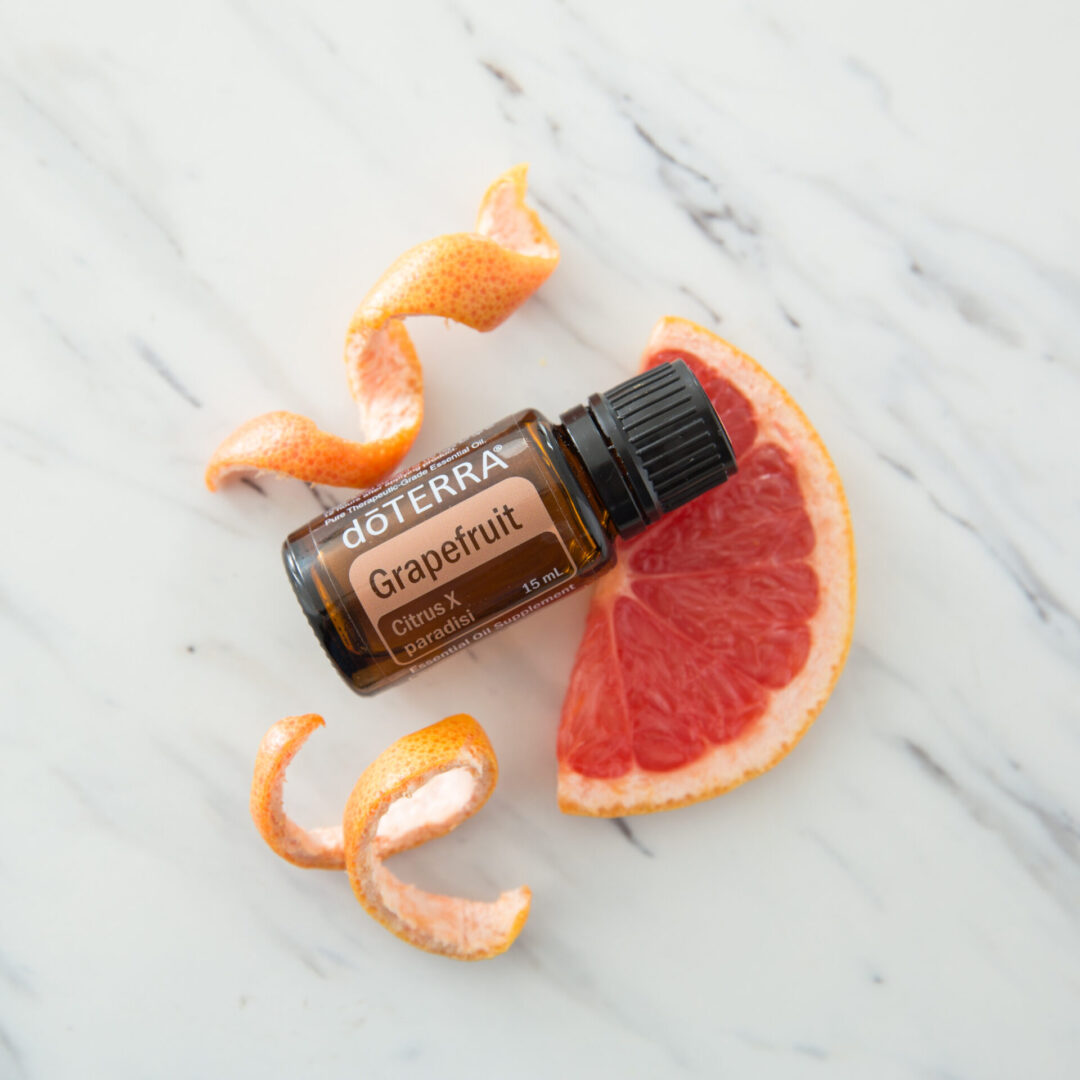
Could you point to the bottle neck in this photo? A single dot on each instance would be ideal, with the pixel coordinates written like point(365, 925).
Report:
point(650, 444)
point(628, 506)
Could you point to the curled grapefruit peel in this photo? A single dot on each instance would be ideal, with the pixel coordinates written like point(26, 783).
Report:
point(420, 788)
point(711, 647)
point(320, 848)
point(477, 278)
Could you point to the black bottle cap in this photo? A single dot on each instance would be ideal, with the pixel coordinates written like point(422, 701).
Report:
point(651, 444)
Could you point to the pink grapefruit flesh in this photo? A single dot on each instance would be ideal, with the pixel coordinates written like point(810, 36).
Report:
point(714, 643)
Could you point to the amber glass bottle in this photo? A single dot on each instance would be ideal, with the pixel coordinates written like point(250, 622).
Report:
point(501, 524)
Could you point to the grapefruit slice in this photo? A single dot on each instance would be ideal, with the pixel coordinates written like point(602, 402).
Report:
point(712, 646)
point(478, 279)
point(420, 788)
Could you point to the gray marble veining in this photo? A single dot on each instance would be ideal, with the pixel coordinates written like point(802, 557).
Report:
point(877, 201)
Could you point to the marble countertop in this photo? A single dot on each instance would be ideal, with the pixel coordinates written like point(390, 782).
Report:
point(876, 200)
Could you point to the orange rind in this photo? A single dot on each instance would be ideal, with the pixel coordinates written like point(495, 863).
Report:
point(478, 279)
point(319, 848)
point(420, 788)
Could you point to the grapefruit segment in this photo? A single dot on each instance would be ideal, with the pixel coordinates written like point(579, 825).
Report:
point(716, 640)
point(478, 279)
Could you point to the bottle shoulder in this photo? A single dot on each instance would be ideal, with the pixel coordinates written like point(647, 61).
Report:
point(529, 418)
point(570, 491)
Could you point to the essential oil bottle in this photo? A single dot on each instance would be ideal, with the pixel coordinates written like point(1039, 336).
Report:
point(502, 524)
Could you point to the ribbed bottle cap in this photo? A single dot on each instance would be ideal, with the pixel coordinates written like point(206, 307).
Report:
point(654, 443)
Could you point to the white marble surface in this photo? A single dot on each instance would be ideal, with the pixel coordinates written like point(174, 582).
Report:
point(878, 200)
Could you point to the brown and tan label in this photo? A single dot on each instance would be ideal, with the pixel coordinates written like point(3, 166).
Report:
point(446, 575)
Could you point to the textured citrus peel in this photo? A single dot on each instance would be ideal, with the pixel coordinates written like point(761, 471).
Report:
point(313, 848)
point(478, 279)
point(793, 708)
point(420, 788)
point(450, 767)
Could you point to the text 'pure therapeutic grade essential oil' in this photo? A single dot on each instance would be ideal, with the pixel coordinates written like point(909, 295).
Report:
point(488, 531)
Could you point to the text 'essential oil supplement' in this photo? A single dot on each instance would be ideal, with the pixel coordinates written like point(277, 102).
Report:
point(500, 525)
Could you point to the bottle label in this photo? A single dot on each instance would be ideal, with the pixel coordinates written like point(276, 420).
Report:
point(450, 572)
